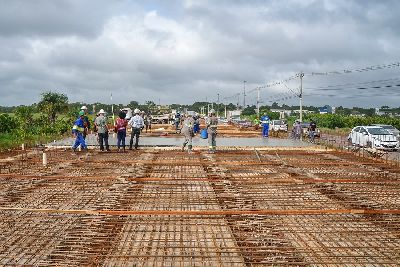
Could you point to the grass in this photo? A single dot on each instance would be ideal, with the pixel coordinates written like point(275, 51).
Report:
point(13, 141)
point(8, 141)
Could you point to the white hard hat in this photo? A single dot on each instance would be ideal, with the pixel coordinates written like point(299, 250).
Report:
point(212, 111)
point(137, 111)
point(83, 107)
point(102, 111)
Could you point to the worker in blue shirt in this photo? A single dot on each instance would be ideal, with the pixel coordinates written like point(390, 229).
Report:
point(77, 131)
point(265, 124)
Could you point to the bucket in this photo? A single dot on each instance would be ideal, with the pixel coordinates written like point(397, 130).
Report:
point(204, 134)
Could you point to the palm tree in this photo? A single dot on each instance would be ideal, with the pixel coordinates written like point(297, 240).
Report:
point(53, 103)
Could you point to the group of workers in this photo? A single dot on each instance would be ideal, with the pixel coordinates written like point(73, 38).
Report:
point(82, 125)
point(190, 126)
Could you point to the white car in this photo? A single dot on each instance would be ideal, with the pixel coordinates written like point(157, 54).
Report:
point(373, 137)
point(278, 125)
point(390, 128)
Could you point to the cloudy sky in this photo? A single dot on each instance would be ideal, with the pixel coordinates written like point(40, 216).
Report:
point(194, 50)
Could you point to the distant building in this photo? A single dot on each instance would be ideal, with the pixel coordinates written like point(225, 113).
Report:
point(326, 110)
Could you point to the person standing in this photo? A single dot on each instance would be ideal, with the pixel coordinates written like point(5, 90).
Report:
point(85, 121)
point(265, 124)
point(297, 131)
point(147, 122)
point(196, 126)
point(77, 131)
point(120, 127)
point(311, 130)
point(187, 131)
point(137, 124)
point(211, 123)
point(100, 124)
point(177, 121)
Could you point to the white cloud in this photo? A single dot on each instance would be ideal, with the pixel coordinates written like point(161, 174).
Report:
point(191, 50)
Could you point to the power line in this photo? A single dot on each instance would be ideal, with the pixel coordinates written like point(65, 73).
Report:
point(397, 79)
point(348, 71)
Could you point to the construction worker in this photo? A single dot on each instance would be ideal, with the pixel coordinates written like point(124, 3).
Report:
point(311, 131)
point(147, 122)
point(137, 124)
point(120, 128)
point(187, 131)
point(265, 124)
point(85, 121)
point(211, 123)
point(297, 131)
point(196, 126)
point(100, 124)
point(177, 121)
point(77, 131)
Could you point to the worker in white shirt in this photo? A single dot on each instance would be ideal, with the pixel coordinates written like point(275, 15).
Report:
point(137, 124)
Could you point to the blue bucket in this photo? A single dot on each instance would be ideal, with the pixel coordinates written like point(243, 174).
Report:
point(204, 134)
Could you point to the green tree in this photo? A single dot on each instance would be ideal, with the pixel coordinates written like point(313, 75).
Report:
point(53, 103)
point(249, 110)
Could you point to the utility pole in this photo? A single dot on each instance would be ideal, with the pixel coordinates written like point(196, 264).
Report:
point(218, 105)
point(238, 101)
point(301, 96)
point(112, 108)
point(244, 94)
point(258, 102)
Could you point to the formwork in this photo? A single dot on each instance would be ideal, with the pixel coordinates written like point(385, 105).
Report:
point(156, 207)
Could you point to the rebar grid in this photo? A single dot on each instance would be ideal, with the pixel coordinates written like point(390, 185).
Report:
point(254, 208)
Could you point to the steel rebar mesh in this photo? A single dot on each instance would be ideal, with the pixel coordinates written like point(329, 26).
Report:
point(169, 208)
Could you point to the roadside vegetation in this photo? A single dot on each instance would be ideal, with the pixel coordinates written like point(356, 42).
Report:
point(36, 124)
point(53, 116)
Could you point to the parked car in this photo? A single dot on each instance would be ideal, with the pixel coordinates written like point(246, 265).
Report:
point(373, 137)
point(243, 123)
point(278, 125)
point(304, 128)
point(390, 128)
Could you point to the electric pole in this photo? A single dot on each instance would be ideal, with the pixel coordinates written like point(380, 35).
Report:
point(258, 102)
point(301, 96)
point(218, 105)
point(244, 94)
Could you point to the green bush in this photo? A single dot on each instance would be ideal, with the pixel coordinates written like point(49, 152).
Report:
point(8, 124)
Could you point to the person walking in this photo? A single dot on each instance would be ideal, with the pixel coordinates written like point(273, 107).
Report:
point(77, 131)
point(137, 124)
point(120, 127)
point(100, 124)
point(85, 121)
point(211, 124)
point(187, 131)
point(265, 124)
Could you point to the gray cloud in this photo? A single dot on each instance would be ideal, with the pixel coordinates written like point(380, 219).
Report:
point(187, 51)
